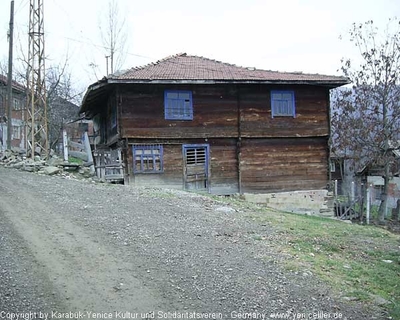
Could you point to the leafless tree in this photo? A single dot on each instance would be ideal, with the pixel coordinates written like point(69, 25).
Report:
point(63, 100)
point(114, 36)
point(366, 118)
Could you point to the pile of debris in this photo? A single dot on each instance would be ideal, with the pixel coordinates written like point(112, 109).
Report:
point(16, 158)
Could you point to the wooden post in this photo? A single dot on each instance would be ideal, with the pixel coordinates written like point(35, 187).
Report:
point(88, 151)
point(336, 189)
point(65, 145)
point(361, 202)
point(353, 191)
point(368, 204)
point(396, 211)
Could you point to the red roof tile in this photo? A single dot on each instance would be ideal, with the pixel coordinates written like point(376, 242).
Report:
point(194, 68)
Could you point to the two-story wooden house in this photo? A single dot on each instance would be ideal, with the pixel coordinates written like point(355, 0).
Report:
point(194, 123)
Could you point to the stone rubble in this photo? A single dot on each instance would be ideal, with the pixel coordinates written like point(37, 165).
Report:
point(16, 158)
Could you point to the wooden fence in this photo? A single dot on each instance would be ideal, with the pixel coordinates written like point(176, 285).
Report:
point(109, 165)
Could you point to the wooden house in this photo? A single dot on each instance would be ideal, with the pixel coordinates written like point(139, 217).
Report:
point(199, 124)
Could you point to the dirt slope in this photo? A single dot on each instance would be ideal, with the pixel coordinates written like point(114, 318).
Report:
point(70, 246)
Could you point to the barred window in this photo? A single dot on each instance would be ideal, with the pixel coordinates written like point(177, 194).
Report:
point(147, 158)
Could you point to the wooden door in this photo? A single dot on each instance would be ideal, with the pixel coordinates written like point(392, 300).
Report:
point(195, 160)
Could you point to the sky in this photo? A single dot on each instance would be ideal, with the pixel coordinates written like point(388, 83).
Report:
point(284, 35)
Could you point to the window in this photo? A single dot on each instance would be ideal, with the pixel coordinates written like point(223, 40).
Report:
point(333, 166)
point(16, 132)
point(178, 105)
point(147, 158)
point(17, 104)
point(282, 104)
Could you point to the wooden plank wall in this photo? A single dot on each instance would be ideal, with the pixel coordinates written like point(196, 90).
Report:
point(270, 165)
point(224, 166)
point(222, 170)
point(311, 113)
point(277, 154)
point(142, 114)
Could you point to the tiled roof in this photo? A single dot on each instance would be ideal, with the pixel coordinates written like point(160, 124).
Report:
point(194, 68)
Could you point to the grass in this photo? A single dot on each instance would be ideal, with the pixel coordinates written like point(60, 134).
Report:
point(75, 160)
point(359, 262)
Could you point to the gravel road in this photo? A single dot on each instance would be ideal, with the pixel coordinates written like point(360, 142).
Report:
point(78, 249)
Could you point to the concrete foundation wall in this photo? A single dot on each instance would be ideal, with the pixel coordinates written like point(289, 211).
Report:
point(311, 202)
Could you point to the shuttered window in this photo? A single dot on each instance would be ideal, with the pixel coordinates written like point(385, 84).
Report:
point(282, 104)
point(147, 158)
point(178, 105)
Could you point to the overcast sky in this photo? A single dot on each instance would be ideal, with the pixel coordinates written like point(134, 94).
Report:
point(284, 35)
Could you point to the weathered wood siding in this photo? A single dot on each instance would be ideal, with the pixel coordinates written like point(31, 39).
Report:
point(217, 110)
point(277, 154)
point(312, 118)
point(270, 165)
point(223, 165)
point(142, 113)
point(173, 168)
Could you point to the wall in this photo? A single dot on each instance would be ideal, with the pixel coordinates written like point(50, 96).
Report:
point(276, 154)
point(223, 173)
point(270, 165)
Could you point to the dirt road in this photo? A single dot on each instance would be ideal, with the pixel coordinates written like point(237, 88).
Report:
point(75, 246)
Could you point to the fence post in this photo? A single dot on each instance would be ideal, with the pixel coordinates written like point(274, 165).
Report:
point(353, 191)
point(368, 204)
point(88, 151)
point(335, 190)
point(65, 145)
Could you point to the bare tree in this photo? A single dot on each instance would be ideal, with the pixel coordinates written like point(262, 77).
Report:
point(114, 36)
point(62, 100)
point(366, 118)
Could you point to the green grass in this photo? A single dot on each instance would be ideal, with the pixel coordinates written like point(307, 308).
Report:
point(349, 257)
point(75, 160)
point(158, 193)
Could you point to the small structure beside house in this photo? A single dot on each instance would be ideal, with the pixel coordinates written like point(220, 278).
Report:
point(372, 174)
point(199, 124)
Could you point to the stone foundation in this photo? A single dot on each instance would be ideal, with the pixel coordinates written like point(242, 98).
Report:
point(311, 202)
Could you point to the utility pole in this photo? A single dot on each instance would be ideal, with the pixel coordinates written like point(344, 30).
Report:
point(112, 58)
point(37, 137)
point(9, 79)
point(107, 65)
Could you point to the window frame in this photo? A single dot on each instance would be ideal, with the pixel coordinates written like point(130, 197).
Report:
point(155, 157)
point(332, 166)
point(16, 132)
point(16, 104)
point(167, 113)
point(273, 107)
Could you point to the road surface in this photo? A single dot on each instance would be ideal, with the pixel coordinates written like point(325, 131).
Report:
point(78, 249)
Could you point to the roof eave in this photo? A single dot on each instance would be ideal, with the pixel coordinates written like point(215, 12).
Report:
point(330, 83)
point(93, 87)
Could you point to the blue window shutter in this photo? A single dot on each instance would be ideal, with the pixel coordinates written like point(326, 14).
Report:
point(178, 105)
point(283, 104)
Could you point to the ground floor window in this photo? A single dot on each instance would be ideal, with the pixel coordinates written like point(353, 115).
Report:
point(147, 158)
